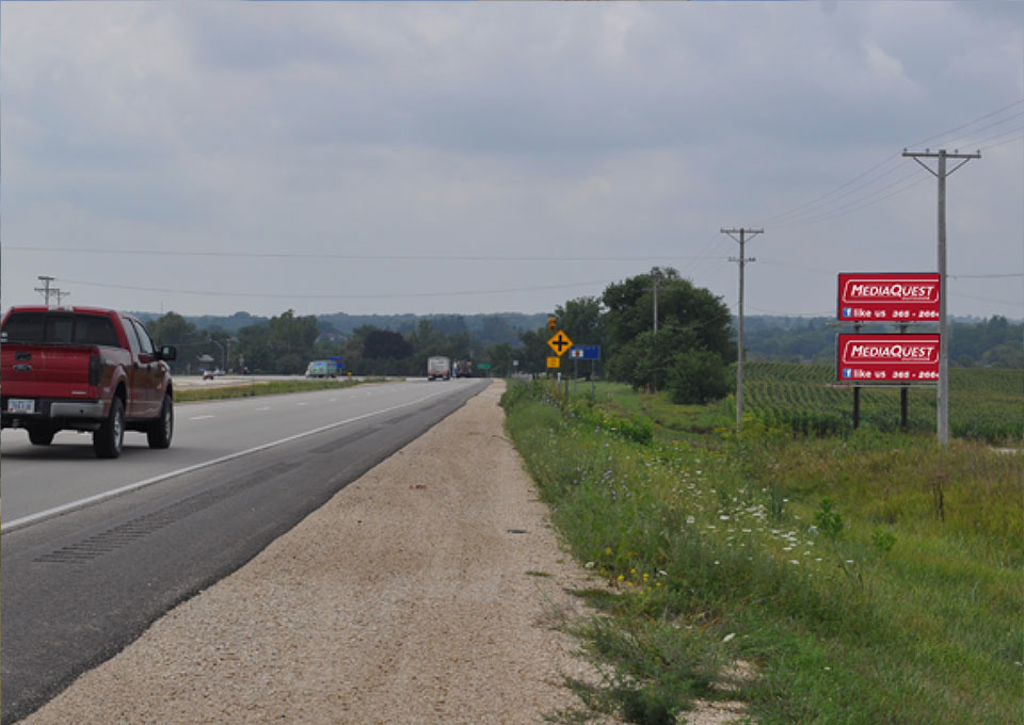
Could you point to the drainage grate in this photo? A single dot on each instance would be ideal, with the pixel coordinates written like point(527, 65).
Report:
point(131, 531)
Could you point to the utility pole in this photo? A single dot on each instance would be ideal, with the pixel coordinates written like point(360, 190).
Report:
point(61, 294)
point(742, 259)
point(655, 277)
point(942, 414)
point(45, 289)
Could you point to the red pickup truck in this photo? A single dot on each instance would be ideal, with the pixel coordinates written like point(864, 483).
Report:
point(84, 369)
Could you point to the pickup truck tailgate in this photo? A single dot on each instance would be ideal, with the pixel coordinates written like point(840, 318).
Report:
point(43, 371)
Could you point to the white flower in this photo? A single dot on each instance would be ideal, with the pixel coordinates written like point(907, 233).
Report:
point(728, 637)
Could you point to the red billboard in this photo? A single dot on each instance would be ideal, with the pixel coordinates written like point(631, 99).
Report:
point(889, 297)
point(887, 358)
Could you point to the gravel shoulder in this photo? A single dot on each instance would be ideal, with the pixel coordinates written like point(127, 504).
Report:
point(424, 592)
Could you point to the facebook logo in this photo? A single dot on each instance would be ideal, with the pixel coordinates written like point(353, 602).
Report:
point(847, 373)
point(847, 312)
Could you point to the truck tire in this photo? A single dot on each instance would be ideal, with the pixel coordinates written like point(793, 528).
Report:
point(109, 439)
point(160, 430)
point(41, 436)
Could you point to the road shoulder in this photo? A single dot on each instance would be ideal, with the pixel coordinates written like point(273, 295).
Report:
point(426, 591)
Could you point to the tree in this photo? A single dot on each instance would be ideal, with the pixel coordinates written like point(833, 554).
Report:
point(582, 320)
point(698, 377)
point(500, 357)
point(689, 318)
point(386, 344)
point(172, 329)
point(284, 345)
point(535, 350)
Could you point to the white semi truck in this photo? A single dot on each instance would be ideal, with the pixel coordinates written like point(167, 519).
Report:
point(439, 367)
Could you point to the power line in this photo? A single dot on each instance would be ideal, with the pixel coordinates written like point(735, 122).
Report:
point(863, 202)
point(382, 295)
point(352, 257)
point(797, 214)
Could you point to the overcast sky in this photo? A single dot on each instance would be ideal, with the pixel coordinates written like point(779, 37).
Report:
point(466, 158)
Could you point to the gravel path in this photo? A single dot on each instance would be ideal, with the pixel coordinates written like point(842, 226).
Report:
point(424, 592)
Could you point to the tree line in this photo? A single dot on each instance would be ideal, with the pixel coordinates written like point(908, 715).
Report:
point(689, 355)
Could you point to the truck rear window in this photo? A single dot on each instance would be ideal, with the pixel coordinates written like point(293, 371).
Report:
point(59, 327)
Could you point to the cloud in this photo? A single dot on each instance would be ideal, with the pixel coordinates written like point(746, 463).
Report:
point(595, 128)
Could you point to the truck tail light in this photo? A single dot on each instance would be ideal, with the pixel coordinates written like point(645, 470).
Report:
point(95, 368)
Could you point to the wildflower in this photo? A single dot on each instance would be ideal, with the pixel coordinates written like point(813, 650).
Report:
point(729, 637)
point(589, 565)
point(794, 561)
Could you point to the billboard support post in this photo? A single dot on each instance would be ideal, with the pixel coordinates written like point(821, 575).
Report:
point(856, 395)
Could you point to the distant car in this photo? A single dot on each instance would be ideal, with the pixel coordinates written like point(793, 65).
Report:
point(208, 374)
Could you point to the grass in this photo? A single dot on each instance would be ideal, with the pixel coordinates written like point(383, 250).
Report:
point(273, 387)
point(870, 577)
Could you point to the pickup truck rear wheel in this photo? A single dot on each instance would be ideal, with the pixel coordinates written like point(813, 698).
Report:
point(160, 431)
point(109, 439)
point(41, 436)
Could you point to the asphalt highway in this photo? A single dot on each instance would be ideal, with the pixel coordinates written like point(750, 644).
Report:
point(94, 551)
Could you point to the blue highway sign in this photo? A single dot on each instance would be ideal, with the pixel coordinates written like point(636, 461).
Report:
point(585, 352)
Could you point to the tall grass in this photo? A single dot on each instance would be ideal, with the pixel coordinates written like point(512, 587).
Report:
point(869, 579)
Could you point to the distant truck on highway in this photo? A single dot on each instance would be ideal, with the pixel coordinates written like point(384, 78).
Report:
point(439, 367)
point(325, 368)
point(86, 369)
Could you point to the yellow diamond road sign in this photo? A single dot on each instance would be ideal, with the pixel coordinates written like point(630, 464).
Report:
point(560, 343)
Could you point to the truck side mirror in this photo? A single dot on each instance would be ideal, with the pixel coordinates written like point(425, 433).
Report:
point(167, 352)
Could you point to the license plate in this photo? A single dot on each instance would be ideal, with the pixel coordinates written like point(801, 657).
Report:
point(19, 405)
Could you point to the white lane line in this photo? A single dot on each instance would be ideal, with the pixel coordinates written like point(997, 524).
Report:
point(260, 410)
point(200, 417)
point(64, 508)
point(301, 404)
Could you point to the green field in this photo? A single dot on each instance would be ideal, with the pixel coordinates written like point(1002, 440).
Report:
point(985, 404)
point(862, 578)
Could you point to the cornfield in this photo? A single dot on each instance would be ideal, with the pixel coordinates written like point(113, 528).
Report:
point(984, 403)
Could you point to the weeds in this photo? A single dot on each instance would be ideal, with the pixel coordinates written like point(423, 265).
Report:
point(821, 561)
